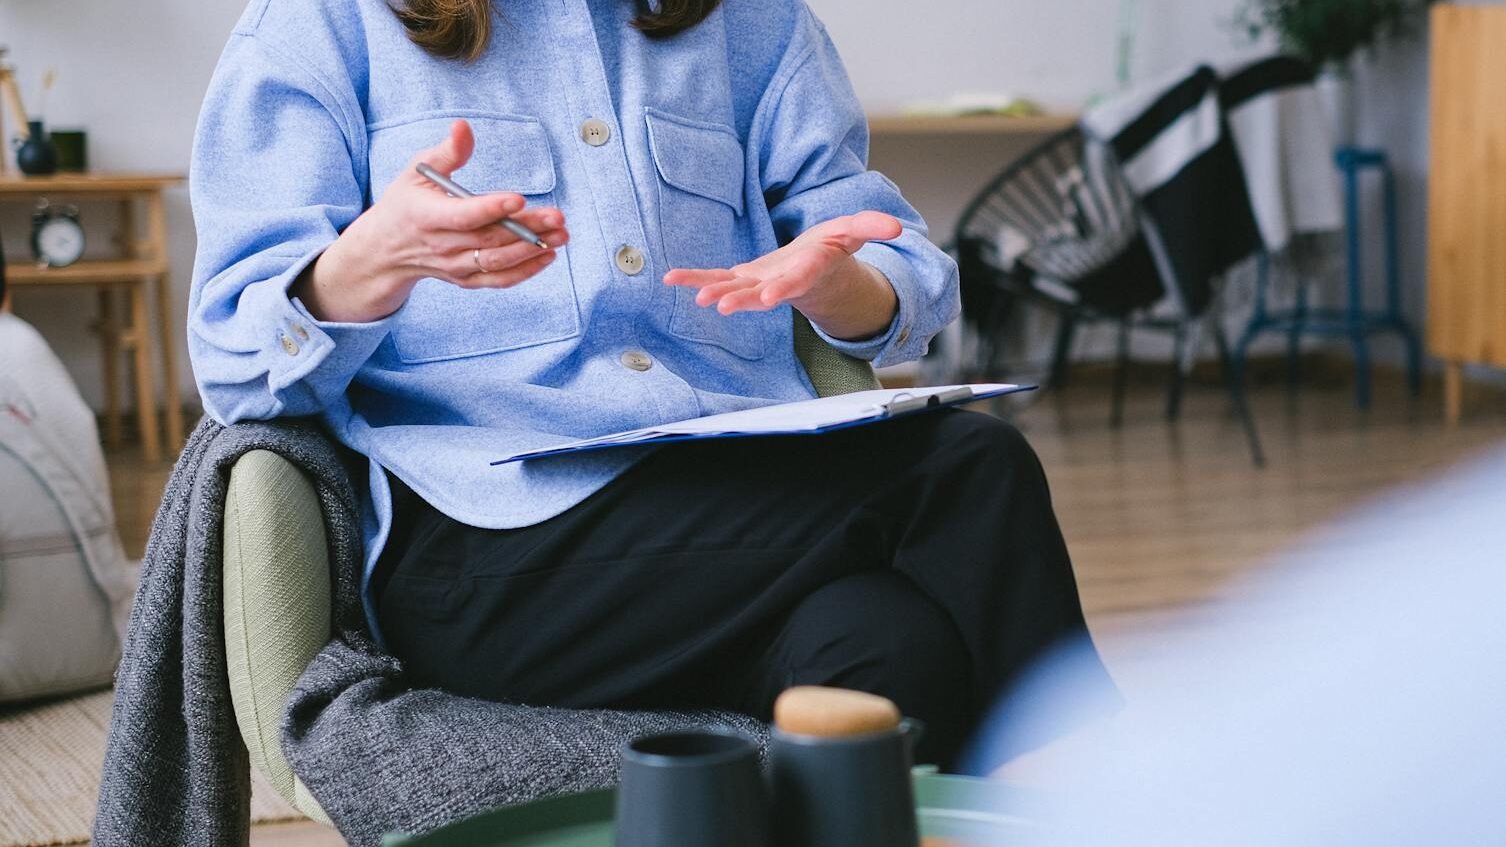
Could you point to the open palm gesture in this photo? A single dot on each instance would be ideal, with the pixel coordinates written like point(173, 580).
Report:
point(815, 273)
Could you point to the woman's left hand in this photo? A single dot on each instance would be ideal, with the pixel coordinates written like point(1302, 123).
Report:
point(816, 273)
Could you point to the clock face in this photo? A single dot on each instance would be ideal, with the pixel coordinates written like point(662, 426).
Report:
point(60, 242)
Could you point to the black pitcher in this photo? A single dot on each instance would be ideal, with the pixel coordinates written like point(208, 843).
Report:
point(37, 156)
point(851, 791)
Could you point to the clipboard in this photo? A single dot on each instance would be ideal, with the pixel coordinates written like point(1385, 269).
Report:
point(805, 417)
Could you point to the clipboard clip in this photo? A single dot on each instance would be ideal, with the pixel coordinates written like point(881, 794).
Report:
point(904, 404)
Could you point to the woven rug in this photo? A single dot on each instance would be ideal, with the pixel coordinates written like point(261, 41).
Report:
point(50, 758)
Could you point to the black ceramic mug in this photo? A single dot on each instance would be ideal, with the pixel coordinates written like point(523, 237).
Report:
point(847, 791)
point(692, 789)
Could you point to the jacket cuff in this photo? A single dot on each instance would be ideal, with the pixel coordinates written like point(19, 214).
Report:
point(301, 348)
point(898, 343)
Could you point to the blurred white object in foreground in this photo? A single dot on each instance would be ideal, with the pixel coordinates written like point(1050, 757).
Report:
point(1356, 696)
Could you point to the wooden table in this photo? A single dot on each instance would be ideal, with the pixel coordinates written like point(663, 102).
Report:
point(141, 270)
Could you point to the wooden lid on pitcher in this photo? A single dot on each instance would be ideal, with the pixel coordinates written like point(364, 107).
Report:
point(833, 712)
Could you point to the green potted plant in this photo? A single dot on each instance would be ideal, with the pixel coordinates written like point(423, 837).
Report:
point(1328, 33)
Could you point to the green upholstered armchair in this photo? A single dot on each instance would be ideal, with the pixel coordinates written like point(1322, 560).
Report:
point(277, 578)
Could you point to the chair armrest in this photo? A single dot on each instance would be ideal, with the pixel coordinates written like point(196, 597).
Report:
point(277, 605)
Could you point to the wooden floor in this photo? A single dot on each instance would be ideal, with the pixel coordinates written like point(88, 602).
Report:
point(1157, 516)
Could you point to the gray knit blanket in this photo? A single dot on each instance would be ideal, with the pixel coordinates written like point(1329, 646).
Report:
point(377, 755)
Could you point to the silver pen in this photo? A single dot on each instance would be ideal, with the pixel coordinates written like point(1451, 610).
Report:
point(457, 190)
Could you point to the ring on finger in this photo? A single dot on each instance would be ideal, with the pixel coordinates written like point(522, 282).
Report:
point(476, 257)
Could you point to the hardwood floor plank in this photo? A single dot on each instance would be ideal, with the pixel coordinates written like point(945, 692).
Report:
point(301, 834)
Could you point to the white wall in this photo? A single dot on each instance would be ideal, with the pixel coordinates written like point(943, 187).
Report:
point(1060, 54)
point(1063, 55)
point(133, 73)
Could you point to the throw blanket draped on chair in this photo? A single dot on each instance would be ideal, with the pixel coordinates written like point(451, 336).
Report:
point(1226, 163)
point(376, 755)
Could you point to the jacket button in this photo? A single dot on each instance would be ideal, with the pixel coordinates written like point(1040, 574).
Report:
point(289, 346)
point(630, 260)
point(636, 361)
point(595, 132)
point(904, 336)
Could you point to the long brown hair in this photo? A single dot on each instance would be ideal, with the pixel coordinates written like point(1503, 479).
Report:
point(460, 29)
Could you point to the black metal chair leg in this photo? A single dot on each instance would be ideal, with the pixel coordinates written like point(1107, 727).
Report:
point(1121, 374)
point(977, 363)
point(1178, 373)
point(987, 353)
point(1234, 378)
point(998, 317)
point(1061, 360)
point(1247, 420)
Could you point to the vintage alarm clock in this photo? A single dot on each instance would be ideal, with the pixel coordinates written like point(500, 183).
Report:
point(57, 236)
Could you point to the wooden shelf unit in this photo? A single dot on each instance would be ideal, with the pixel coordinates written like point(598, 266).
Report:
point(141, 272)
point(88, 272)
point(891, 125)
point(106, 185)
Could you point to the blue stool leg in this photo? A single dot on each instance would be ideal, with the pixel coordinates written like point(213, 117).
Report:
point(1354, 314)
point(1261, 317)
point(1361, 370)
point(1294, 335)
point(1394, 315)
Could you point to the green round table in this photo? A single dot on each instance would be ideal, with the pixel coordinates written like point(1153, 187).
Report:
point(950, 808)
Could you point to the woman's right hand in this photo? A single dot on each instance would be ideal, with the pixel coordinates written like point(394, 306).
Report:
point(417, 231)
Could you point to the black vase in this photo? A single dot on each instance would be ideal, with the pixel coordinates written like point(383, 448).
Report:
point(37, 157)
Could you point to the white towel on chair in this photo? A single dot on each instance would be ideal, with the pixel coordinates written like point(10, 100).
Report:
point(1285, 144)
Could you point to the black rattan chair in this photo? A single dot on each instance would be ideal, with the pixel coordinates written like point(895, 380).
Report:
point(1057, 227)
point(1060, 227)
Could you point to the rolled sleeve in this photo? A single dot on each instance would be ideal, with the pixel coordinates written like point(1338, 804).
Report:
point(814, 146)
point(893, 344)
point(273, 184)
point(340, 347)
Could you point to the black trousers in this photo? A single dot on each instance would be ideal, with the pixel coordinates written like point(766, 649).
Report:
point(917, 558)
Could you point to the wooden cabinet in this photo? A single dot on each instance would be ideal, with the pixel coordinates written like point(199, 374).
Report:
point(1467, 193)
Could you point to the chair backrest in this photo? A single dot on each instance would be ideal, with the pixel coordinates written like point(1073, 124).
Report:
point(1064, 206)
point(1063, 212)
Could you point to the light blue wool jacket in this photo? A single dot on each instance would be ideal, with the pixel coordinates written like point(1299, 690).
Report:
point(725, 142)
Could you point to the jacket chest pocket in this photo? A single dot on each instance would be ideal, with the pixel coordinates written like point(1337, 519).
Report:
point(442, 321)
point(701, 172)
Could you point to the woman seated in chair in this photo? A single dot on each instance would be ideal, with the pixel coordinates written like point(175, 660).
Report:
point(705, 162)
